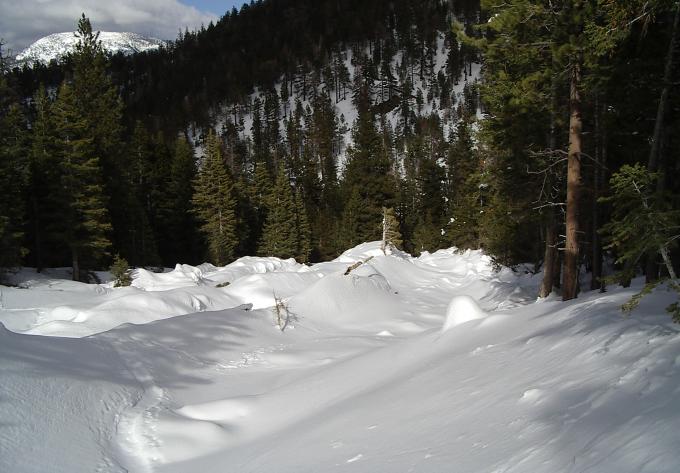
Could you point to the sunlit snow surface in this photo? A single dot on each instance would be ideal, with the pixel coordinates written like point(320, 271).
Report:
point(58, 45)
point(430, 364)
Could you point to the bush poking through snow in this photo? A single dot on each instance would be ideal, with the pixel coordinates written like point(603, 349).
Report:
point(282, 315)
point(120, 269)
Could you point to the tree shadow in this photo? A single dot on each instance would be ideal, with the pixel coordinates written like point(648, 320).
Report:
point(171, 348)
point(612, 405)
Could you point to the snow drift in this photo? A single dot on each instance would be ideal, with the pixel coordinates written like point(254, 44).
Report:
point(403, 364)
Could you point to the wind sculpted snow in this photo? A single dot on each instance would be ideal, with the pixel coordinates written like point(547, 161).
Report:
point(176, 374)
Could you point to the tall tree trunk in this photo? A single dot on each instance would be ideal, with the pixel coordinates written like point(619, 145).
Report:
point(655, 161)
point(570, 271)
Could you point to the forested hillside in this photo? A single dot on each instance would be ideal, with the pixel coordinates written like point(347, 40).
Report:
point(539, 131)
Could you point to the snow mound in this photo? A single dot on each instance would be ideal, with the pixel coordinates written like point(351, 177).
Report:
point(261, 289)
point(182, 276)
point(462, 309)
point(471, 263)
point(251, 265)
point(364, 251)
point(206, 274)
point(362, 298)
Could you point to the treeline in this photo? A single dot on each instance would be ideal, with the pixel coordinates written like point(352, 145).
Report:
point(229, 142)
point(116, 184)
point(74, 190)
point(579, 143)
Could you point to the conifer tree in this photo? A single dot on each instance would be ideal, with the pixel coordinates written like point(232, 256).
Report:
point(101, 108)
point(44, 187)
point(86, 221)
point(426, 235)
point(368, 172)
point(13, 173)
point(181, 222)
point(13, 177)
point(466, 191)
point(260, 193)
point(280, 236)
point(214, 204)
point(643, 221)
point(140, 247)
point(303, 230)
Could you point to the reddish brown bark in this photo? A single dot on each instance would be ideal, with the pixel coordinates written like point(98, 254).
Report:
point(571, 250)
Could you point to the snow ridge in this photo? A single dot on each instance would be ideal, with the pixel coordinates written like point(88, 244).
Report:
point(58, 45)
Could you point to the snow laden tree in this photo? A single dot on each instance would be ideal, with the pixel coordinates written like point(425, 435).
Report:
point(214, 204)
point(391, 236)
point(86, 225)
point(286, 231)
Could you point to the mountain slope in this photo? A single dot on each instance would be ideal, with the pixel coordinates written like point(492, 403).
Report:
point(58, 45)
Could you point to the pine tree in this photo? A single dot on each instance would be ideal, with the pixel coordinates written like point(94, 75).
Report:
point(100, 107)
point(181, 221)
point(13, 173)
point(86, 221)
point(120, 270)
point(45, 188)
point(426, 235)
point(368, 172)
point(214, 204)
point(643, 221)
point(280, 236)
point(140, 247)
point(465, 191)
point(13, 177)
point(303, 230)
point(349, 228)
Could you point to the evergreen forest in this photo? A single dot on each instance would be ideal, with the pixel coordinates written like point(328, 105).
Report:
point(542, 131)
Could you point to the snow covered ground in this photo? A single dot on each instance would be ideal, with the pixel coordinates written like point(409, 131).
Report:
point(430, 364)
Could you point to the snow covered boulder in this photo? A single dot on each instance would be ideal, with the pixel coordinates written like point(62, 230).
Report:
point(462, 309)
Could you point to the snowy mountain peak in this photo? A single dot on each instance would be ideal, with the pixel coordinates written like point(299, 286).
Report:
point(58, 45)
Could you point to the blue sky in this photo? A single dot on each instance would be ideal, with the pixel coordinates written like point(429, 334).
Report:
point(218, 7)
point(25, 21)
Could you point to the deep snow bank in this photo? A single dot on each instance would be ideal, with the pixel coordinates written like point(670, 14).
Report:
point(545, 387)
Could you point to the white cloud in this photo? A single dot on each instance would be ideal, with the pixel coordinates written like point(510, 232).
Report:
point(23, 22)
